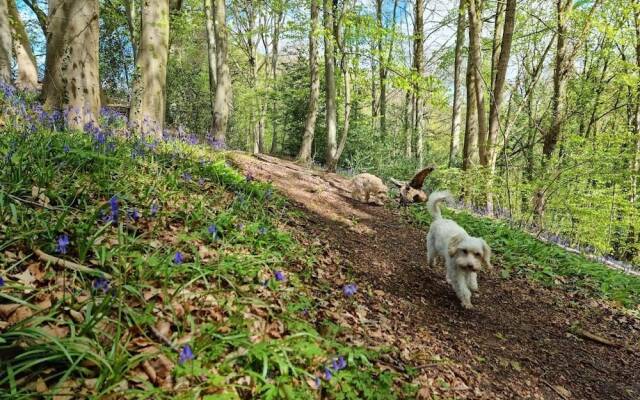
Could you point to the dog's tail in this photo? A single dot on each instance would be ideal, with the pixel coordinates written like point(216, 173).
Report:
point(433, 205)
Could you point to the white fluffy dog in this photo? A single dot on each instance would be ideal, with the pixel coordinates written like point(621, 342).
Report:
point(463, 255)
point(368, 188)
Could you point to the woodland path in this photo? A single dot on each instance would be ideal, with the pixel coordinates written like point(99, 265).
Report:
point(518, 342)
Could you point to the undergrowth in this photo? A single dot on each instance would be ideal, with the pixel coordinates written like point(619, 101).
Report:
point(517, 252)
point(189, 288)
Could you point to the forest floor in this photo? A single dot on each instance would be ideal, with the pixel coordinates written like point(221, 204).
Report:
point(521, 340)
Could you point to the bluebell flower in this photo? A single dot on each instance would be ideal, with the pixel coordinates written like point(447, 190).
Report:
point(154, 209)
point(280, 276)
point(317, 382)
point(213, 230)
point(327, 374)
point(113, 203)
point(186, 176)
point(63, 242)
point(1, 282)
point(66, 148)
point(201, 181)
point(350, 289)
point(186, 354)
point(341, 363)
point(134, 214)
point(101, 284)
point(178, 258)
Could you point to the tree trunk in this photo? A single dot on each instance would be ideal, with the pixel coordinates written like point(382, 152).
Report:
point(418, 52)
point(330, 82)
point(454, 147)
point(5, 43)
point(40, 15)
point(71, 78)
point(475, 52)
point(635, 163)
point(383, 75)
point(211, 51)
point(560, 75)
point(27, 78)
point(470, 148)
point(275, 42)
point(223, 76)
point(148, 101)
point(407, 125)
point(131, 8)
point(312, 112)
point(377, 68)
point(500, 75)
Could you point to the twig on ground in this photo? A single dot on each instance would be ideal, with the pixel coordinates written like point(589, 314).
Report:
point(69, 265)
point(33, 203)
point(592, 336)
point(556, 391)
point(163, 338)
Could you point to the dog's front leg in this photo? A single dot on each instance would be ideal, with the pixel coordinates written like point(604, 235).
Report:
point(472, 281)
point(461, 289)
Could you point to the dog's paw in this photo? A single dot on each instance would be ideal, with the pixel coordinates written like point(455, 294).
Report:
point(467, 306)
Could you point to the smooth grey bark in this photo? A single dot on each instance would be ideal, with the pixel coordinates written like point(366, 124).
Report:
point(304, 154)
point(6, 43)
point(211, 50)
point(418, 55)
point(27, 77)
point(148, 100)
point(223, 77)
point(331, 115)
point(475, 53)
point(72, 66)
point(454, 147)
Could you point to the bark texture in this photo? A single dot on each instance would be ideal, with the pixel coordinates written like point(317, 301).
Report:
point(454, 148)
point(148, 102)
point(331, 114)
point(304, 155)
point(223, 77)
point(27, 78)
point(5, 43)
point(71, 77)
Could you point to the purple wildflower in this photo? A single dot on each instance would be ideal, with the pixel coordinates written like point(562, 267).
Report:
point(186, 176)
point(66, 148)
point(101, 284)
point(350, 289)
point(213, 230)
point(340, 363)
point(317, 382)
point(63, 242)
point(113, 203)
point(201, 181)
point(178, 258)
point(186, 354)
point(134, 215)
point(280, 276)
point(1, 282)
point(327, 374)
point(154, 209)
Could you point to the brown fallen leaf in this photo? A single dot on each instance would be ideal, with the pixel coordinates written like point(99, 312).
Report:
point(164, 328)
point(56, 331)
point(19, 315)
point(7, 309)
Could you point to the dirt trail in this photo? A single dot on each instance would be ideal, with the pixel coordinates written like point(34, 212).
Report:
point(516, 343)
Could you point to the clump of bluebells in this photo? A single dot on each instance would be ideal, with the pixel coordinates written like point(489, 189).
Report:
point(178, 258)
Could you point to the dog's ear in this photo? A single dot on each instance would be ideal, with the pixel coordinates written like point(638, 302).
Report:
point(397, 183)
point(486, 254)
point(454, 242)
point(418, 179)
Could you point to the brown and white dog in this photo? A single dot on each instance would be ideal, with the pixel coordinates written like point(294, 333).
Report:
point(367, 188)
point(411, 192)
